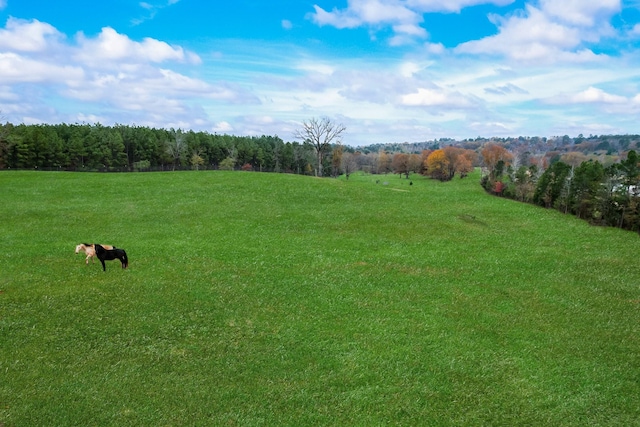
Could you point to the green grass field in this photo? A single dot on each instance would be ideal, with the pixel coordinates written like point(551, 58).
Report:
point(282, 300)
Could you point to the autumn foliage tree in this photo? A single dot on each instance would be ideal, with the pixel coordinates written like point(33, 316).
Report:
point(404, 164)
point(460, 160)
point(424, 156)
point(415, 163)
point(496, 158)
point(445, 163)
point(400, 164)
point(438, 165)
point(384, 162)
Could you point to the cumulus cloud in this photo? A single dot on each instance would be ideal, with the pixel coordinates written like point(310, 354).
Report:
point(553, 31)
point(19, 69)
point(404, 17)
point(591, 95)
point(544, 30)
point(583, 13)
point(535, 77)
point(28, 36)
point(377, 14)
point(112, 46)
point(109, 69)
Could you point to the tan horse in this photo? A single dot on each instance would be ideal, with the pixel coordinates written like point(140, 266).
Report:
point(90, 250)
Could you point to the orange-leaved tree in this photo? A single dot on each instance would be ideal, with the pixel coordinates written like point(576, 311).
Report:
point(384, 162)
point(400, 164)
point(460, 160)
point(496, 158)
point(424, 155)
point(438, 165)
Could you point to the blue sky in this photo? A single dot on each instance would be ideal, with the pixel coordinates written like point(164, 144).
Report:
point(389, 70)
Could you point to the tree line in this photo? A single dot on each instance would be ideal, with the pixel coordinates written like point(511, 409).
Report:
point(607, 195)
point(93, 147)
point(601, 187)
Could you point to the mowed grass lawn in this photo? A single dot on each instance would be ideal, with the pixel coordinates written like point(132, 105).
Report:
point(281, 300)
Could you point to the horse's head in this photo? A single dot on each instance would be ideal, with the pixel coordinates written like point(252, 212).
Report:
point(78, 248)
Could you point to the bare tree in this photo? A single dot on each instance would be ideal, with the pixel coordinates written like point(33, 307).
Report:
point(319, 133)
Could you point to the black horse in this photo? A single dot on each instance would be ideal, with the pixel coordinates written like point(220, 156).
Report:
point(111, 254)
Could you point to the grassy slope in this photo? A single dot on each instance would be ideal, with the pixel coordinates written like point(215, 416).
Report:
point(265, 299)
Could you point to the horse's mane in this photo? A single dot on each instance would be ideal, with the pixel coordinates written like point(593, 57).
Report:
point(88, 244)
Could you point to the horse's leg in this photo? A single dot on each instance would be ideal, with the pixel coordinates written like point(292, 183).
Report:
point(87, 259)
point(103, 266)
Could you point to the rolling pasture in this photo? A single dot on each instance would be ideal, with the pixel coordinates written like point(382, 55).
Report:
point(270, 299)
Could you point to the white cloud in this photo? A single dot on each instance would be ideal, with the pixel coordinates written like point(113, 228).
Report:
point(405, 17)
point(435, 48)
point(410, 30)
point(335, 19)
point(424, 97)
point(375, 13)
point(19, 69)
point(591, 95)
point(109, 70)
point(584, 13)
point(222, 127)
point(316, 67)
point(554, 31)
point(542, 75)
point(409, 69)
point(451, 5)
point(112, 46)
point(545, 27)
point(28, 36)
